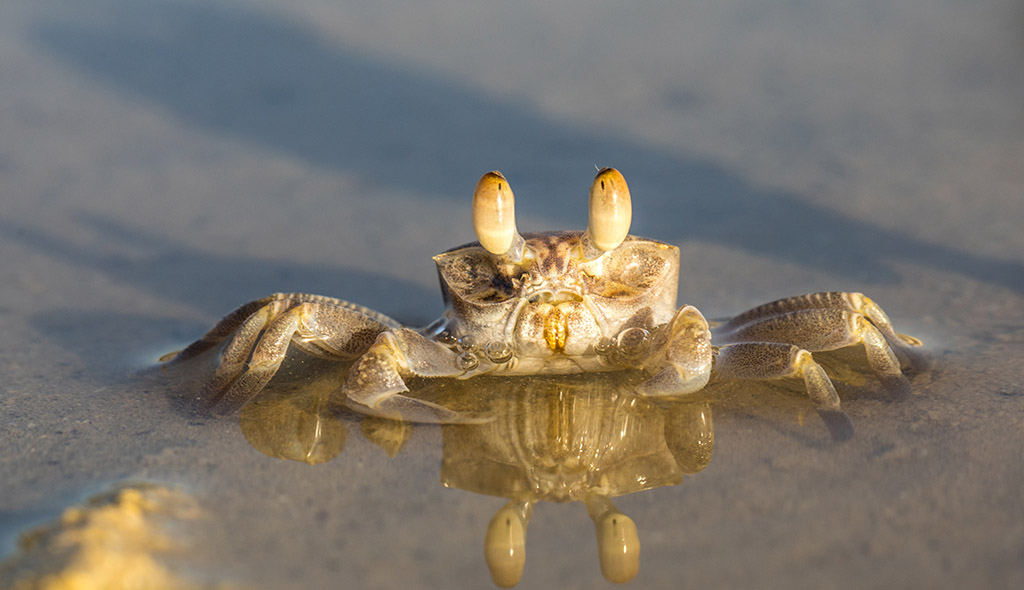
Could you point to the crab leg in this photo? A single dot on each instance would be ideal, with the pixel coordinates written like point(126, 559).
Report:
point(234, 355)
point(257, 337)
point(275, 305)
point(376, 383)
point(822, 329)
point(770, 360)
point(249, 360)
point(225, 328)
point(852, 302)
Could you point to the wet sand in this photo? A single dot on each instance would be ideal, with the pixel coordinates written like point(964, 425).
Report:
point(163, 163)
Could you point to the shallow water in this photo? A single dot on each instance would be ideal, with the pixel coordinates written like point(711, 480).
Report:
point(164, 162)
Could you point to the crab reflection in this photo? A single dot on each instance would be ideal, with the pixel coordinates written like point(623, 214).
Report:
point(587, 439)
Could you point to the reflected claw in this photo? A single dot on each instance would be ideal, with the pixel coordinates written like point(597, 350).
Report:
point(409, 409)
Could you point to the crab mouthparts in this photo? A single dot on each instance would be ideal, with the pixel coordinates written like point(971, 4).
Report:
point(559, 296)
point(556, 328)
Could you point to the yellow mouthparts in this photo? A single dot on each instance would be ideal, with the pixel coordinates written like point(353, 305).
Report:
point(556, 328)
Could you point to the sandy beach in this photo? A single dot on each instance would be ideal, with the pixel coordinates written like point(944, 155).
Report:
point(163, 162)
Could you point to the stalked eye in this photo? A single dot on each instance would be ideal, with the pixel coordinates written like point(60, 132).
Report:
point(494, 215)
point(610, 210)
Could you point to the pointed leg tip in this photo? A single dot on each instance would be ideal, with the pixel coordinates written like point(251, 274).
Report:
point(170, 358)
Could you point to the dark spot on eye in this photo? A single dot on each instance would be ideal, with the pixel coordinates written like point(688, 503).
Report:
point(499, 186)
point(508, 522)
point(602, 185)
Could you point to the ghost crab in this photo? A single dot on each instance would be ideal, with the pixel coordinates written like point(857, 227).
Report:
point(550, 303)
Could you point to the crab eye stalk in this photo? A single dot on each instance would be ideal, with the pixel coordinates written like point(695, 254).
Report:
point(494, 216)
point(611, 212)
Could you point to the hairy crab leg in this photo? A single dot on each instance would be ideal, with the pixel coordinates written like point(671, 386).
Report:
point(817, 330)
point(224, 328)
point(853, 302)
point(771, 360)
point(266, 359)
point(235, 355)
point(233, 321)
point(257, 337)
point(822, 300)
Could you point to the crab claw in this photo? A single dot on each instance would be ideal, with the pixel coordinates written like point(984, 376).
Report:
point(611, 212)
point(494, 217)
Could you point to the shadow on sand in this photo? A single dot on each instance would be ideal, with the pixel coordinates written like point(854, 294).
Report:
point(270, 82)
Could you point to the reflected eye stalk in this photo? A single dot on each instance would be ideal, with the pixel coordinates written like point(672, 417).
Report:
point(494, 217)
point(505, 543)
